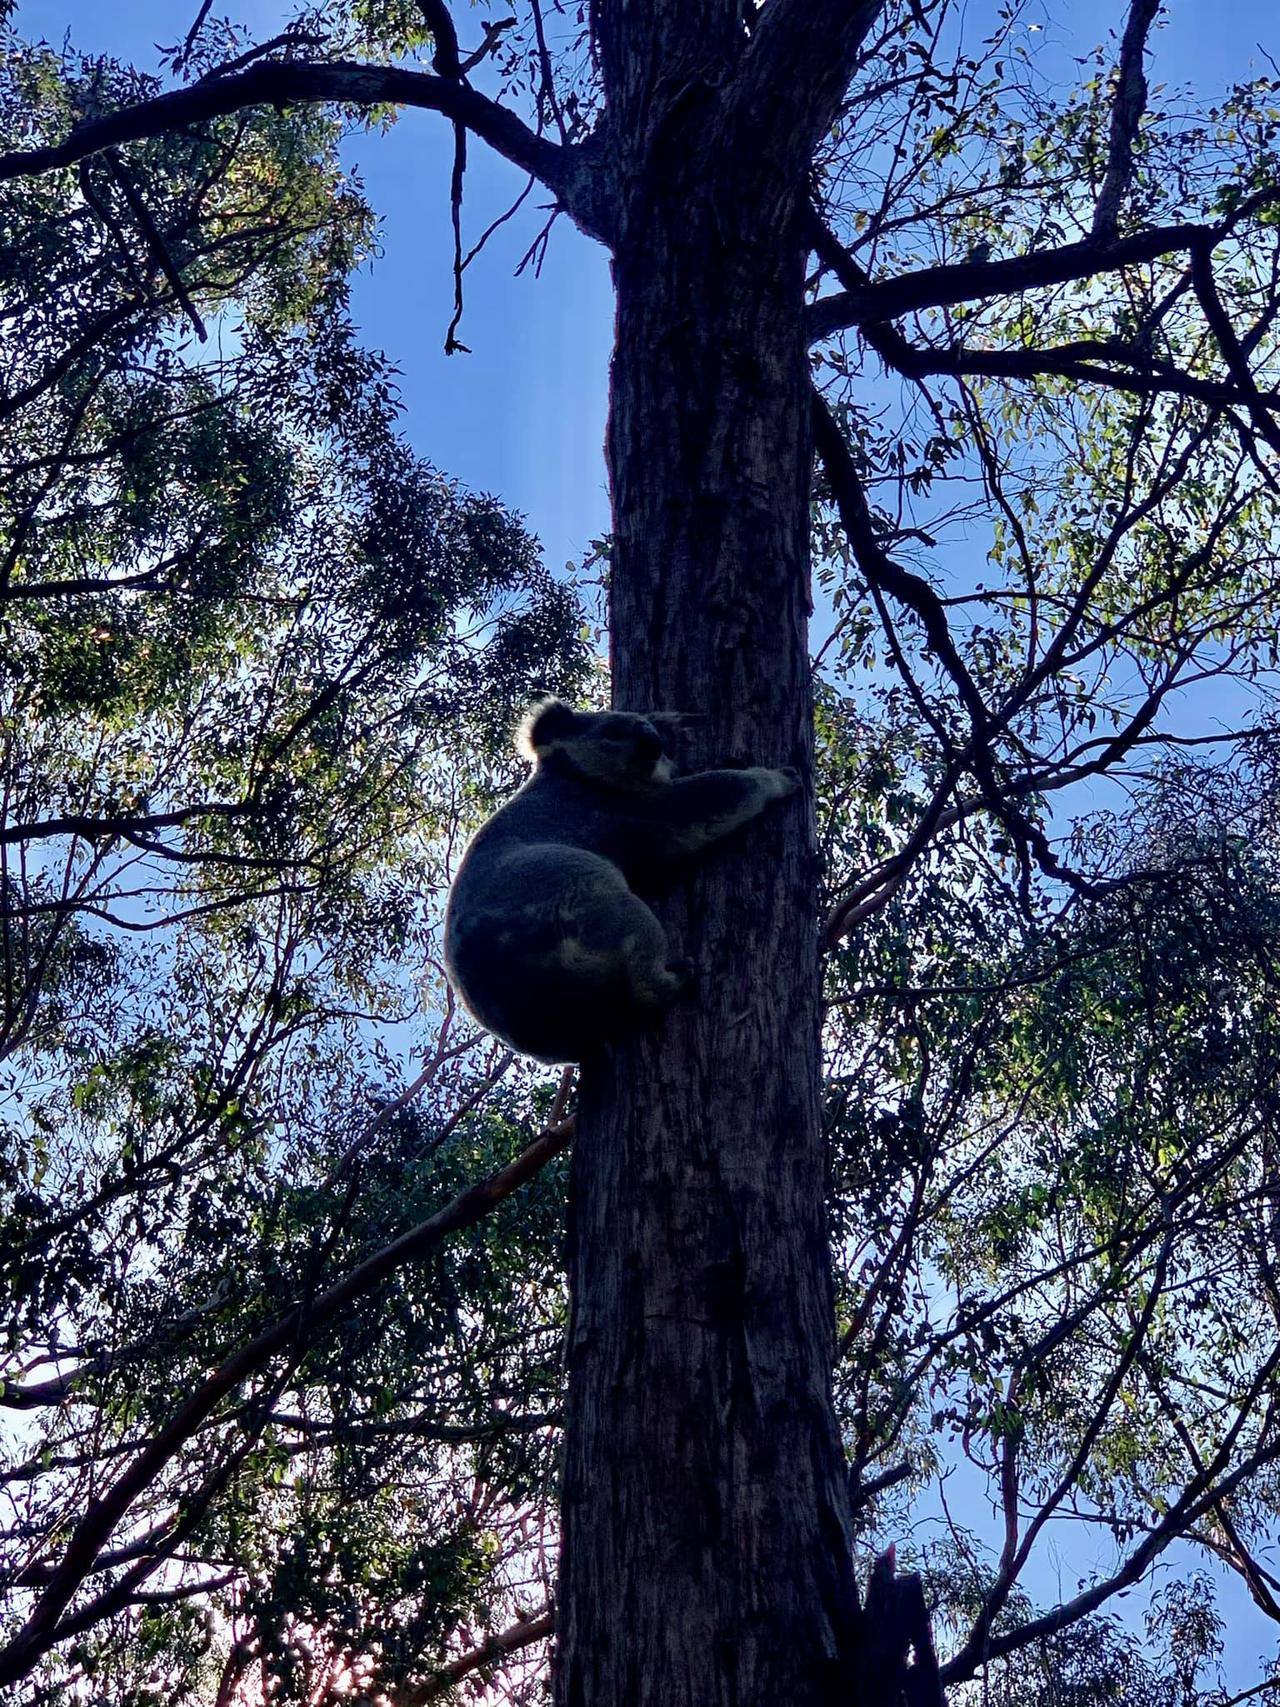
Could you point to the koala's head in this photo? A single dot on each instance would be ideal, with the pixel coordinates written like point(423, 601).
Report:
point(617, 749)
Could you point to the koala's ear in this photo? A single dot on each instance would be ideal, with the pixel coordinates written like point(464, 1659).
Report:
point(544, 724)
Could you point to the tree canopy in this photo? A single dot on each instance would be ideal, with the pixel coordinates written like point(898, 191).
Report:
point(282, 1251)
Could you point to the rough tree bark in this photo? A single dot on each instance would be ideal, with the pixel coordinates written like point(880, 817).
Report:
point(706, 1554)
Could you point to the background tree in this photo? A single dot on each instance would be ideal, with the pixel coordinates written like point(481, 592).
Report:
point(1078, 294)
point(245, 633)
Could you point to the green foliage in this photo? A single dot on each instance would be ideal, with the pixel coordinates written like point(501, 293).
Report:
point(249, 641)
point(1053, 1169)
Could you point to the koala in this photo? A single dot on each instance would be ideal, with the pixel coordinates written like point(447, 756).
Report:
point(545, 939)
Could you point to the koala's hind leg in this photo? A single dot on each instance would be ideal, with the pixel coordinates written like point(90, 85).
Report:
point(654, 978)
point(628, 934)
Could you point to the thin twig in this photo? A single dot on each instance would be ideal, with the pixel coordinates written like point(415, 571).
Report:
point(183, 55)
point(548, 82)
point(452, 346)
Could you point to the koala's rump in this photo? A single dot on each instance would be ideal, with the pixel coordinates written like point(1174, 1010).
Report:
point(536, 943)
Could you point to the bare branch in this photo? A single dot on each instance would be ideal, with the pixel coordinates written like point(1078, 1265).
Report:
point(548, 81)
point(451, 344)
point(448, 63)
point(445, 58)
point(288, 82)
point(493, 33)
point(183, 56)
point(1126, 115)
point(154, 239)
point(1233, 354)
point(879, 568)
point(287, 39)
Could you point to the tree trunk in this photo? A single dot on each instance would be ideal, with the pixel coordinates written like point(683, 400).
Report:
point(706, 1558)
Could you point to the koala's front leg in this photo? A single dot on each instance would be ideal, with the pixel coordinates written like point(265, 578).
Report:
point(698, 810)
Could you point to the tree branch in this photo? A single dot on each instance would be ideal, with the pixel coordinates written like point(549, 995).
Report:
point(496, 1647)
point(446, 58)
point(884, 575)
point(879, 568)
point(1219, 323)
point(493, 31)
point(977, 281)
point(885, 339)
point(801, 57)
point(322, 1436)
point(448, 63)
point(1016, 1554)
point(287, 82)
point(1083, 359)
point(548, 94)
point(153, 237)
point(1198, 1496)
point(1126, 115)
point(183, 55)
point(127, 824)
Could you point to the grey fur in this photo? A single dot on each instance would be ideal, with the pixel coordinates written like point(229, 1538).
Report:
point(545, 939)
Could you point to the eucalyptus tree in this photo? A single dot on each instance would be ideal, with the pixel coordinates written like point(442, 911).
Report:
point(1075, 294)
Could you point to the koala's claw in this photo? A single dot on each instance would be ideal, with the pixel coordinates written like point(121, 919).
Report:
point(780, 783)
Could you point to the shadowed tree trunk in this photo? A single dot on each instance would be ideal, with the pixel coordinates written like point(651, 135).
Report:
point(706, 1550)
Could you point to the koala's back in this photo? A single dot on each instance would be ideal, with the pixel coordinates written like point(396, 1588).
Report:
point(538, 921)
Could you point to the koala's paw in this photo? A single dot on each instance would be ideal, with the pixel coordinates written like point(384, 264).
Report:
point(683, 969)
point(779, 784)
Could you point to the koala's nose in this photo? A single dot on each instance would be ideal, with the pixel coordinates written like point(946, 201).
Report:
point(649, 747)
